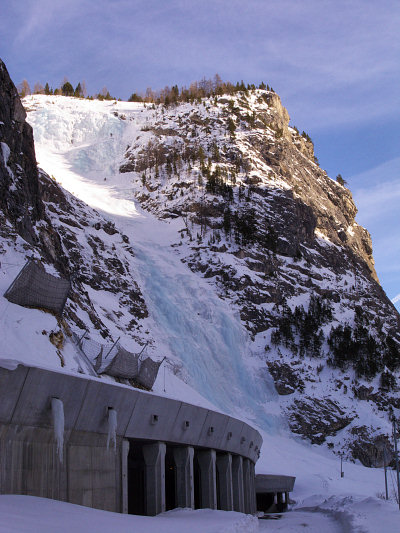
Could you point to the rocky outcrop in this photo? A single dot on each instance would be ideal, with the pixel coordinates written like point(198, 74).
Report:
point(275, 236)
point(316, 419)
point(20, 200)
point(371, 449)
point(286, 379)
point(94, 262)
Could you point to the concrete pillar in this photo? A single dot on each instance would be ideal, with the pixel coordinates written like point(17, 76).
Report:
point(154, 458)
point(208, 479)
point(183, 458)
point(224, 467)
point(237, 482)
point(279, 501)
point(253, 501)
point(124, 475)
point(246, 486)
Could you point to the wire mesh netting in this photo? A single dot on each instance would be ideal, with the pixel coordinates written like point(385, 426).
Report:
point(123, 365)
point(148, 372)
point(95, 352)
point(34, 287)
point(114, 360)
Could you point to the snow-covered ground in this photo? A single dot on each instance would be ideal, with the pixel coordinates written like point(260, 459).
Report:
point(27, 514)
point(81, 143)
point(300, 521)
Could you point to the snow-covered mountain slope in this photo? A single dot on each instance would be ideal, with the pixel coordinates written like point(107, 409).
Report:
point(106, 299)
point(199, 333)
point(155, 264)
point(270, 242)
point(42, 222)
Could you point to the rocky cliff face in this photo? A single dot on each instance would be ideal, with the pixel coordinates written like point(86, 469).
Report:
point(260, 191)
point(19, 184)
point(278, 238)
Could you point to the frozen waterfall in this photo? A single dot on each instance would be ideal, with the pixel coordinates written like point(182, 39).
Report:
point(57, 410)
point(112, 428)
point(202, 331)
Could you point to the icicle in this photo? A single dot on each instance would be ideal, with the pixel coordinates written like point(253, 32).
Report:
point(57, 409)
point(112, 428)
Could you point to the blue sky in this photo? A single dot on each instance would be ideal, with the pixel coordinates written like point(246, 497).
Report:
point(335, 65)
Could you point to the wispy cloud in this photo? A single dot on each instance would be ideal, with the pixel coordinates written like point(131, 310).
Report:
point(322, 57)
point(42, 17)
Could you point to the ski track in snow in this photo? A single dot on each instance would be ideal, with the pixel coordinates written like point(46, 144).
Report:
point(298, 521)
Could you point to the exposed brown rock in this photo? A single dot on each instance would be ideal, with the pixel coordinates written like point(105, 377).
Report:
point(286, 379)
point(372, 450)
point(316, 418)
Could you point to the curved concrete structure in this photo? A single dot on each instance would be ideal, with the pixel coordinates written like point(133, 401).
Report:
point(167, 453)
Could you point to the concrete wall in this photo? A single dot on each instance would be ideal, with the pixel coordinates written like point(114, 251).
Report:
point(26, 400)
point(274, 483)
point(90, 473)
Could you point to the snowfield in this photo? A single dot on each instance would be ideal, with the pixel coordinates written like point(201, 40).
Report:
point(82, 143)
point(27, 514)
